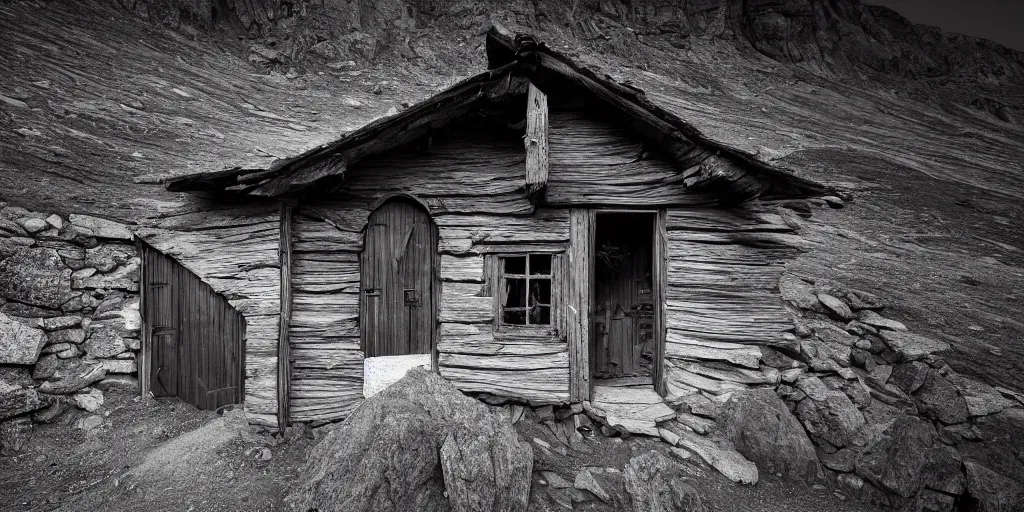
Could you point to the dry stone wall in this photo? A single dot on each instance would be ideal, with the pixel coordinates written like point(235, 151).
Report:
point(890, 421)
point(69, 317)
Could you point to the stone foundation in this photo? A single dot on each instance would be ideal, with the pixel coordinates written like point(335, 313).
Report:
point(69, 316)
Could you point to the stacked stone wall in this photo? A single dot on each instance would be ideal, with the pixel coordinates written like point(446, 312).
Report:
point(69, 318)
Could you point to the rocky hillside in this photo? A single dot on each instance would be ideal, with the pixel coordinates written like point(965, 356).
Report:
point(835, 36)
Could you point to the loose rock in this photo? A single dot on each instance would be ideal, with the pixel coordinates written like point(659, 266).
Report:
point(89, 401)
point(912, 347)
point(875, 320)
point(836, 306)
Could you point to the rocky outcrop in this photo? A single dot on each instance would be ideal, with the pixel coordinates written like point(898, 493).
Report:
point(418, 445)
point(764, 431)
point(828, 414)
point(838, 36)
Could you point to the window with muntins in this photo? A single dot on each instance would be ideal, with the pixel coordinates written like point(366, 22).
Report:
point(524, 289)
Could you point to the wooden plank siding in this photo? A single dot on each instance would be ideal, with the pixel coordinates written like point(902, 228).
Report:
point(327, 363)
point(233, 247)
point(593, 162)
point(722, 299)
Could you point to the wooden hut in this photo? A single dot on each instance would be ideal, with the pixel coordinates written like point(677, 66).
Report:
point(538, 230)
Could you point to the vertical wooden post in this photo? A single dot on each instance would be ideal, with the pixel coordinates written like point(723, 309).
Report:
point(578, 321)
point(660, 300)
point(283, 347)
point(144, 332)
point(536, 142)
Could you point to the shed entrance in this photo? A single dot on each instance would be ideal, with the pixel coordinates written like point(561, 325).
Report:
point(624, 314)
point(194, 341)
point(399, 304)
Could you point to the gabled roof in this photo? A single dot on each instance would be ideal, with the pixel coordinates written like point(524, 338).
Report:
point(710, 164)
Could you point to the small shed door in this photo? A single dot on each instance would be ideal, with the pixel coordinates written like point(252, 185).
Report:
point(397, 278)
point(196, 345)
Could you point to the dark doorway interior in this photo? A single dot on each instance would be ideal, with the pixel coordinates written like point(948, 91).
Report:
point(623, 342)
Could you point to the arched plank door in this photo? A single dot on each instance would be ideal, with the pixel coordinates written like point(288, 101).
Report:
point(194, 339)
point(398, 307)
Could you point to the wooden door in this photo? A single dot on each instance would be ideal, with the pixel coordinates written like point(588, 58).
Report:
point(194, 339)
point(398, 308)
point(624, 296)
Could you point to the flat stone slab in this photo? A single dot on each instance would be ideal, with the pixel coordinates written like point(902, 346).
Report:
point(638, 405)
point(912, 346)
point(721, 456)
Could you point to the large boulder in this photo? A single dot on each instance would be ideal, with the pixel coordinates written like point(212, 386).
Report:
point(655, 484)
point(992, 491)
point(828, 414)
point(418, 445)
point(19, 343)
point(998, 444)
point(36, 276)
point(907, 457)
point(764, 431)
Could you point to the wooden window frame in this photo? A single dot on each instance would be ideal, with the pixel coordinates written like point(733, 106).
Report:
point(496, 278)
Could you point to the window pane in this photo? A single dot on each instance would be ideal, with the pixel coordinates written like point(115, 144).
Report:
point(540, 292)
point(540, 264)
point(516, 317)
point(515, 265)
point(515, 293)
point(540, 315)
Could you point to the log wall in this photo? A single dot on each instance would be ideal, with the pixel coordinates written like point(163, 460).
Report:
point(234, 249)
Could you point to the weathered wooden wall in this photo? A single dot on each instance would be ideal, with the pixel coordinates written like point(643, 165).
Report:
point(594, 162)
point(473, 184)
point(234, 249)
point(722, 298)
point(327, 364)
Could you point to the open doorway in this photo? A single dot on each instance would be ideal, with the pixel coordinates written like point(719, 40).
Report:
point(623, 344)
